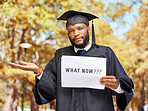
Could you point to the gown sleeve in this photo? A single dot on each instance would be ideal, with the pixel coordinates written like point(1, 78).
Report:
point(45, 88)
point(126, 84)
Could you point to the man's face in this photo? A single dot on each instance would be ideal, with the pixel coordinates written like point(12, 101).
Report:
point(78, 34)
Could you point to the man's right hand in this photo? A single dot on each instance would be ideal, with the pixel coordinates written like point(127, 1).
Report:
point(26, 66)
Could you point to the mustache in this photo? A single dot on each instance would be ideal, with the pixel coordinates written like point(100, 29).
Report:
point(78, 38)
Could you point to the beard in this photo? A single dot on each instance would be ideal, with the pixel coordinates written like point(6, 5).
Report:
point(85, 41)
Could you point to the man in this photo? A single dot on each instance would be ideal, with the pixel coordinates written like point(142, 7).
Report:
point(48, 82)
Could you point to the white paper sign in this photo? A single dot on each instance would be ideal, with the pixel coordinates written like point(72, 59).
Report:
point(82, 71)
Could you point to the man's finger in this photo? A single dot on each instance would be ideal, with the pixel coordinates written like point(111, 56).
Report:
point(13, 64)
point(23, 62)
point(108, 83)
point(108, 80)
point(108, 77)
point(110, 87)
point(17, 66)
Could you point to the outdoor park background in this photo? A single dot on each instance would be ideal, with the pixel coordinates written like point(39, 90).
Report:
point(123, 25)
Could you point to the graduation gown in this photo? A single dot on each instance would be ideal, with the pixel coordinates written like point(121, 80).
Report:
point(49, 87)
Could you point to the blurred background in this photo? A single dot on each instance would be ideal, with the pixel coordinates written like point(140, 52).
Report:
point(29, 31)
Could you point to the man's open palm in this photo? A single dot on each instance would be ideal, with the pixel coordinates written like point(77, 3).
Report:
point(25, 66)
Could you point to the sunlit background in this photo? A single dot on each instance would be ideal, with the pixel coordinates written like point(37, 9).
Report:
point(123, 25)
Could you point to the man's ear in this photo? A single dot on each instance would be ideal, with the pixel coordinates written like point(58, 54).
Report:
point(88, 28)
point(68, 34)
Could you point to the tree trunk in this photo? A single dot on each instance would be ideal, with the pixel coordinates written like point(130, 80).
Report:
point(141, 107)
point(8, 99)
point(22, 41)
point(11, 99)
point(34, 106)
point(12, 46)
point(15, 99)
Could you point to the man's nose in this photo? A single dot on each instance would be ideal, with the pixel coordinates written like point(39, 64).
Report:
point(76, 33)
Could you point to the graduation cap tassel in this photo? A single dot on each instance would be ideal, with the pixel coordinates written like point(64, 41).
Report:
point(93, 35)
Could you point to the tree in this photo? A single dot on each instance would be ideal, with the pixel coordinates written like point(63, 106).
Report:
point(138, 35)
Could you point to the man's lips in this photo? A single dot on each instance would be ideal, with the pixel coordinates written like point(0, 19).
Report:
point(78, 39)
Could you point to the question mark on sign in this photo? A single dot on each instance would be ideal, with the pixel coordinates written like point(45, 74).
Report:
point(99, 71)
point(94, 71)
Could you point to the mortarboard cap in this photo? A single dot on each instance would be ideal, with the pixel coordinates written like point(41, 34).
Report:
point(73, 17)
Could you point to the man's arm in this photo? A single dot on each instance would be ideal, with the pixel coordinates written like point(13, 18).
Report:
point(26, 66)
point(45, 87)
point(126, 84)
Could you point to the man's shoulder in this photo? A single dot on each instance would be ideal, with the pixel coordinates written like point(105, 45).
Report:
point(65, 48)
point(103, 47)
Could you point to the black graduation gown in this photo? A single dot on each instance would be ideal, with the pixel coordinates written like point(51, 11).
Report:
point(82, 99)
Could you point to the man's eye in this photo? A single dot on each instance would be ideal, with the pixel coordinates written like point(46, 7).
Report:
point(80, 28)
point(70, 31)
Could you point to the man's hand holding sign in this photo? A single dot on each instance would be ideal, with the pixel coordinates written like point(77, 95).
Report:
point(109, 82)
